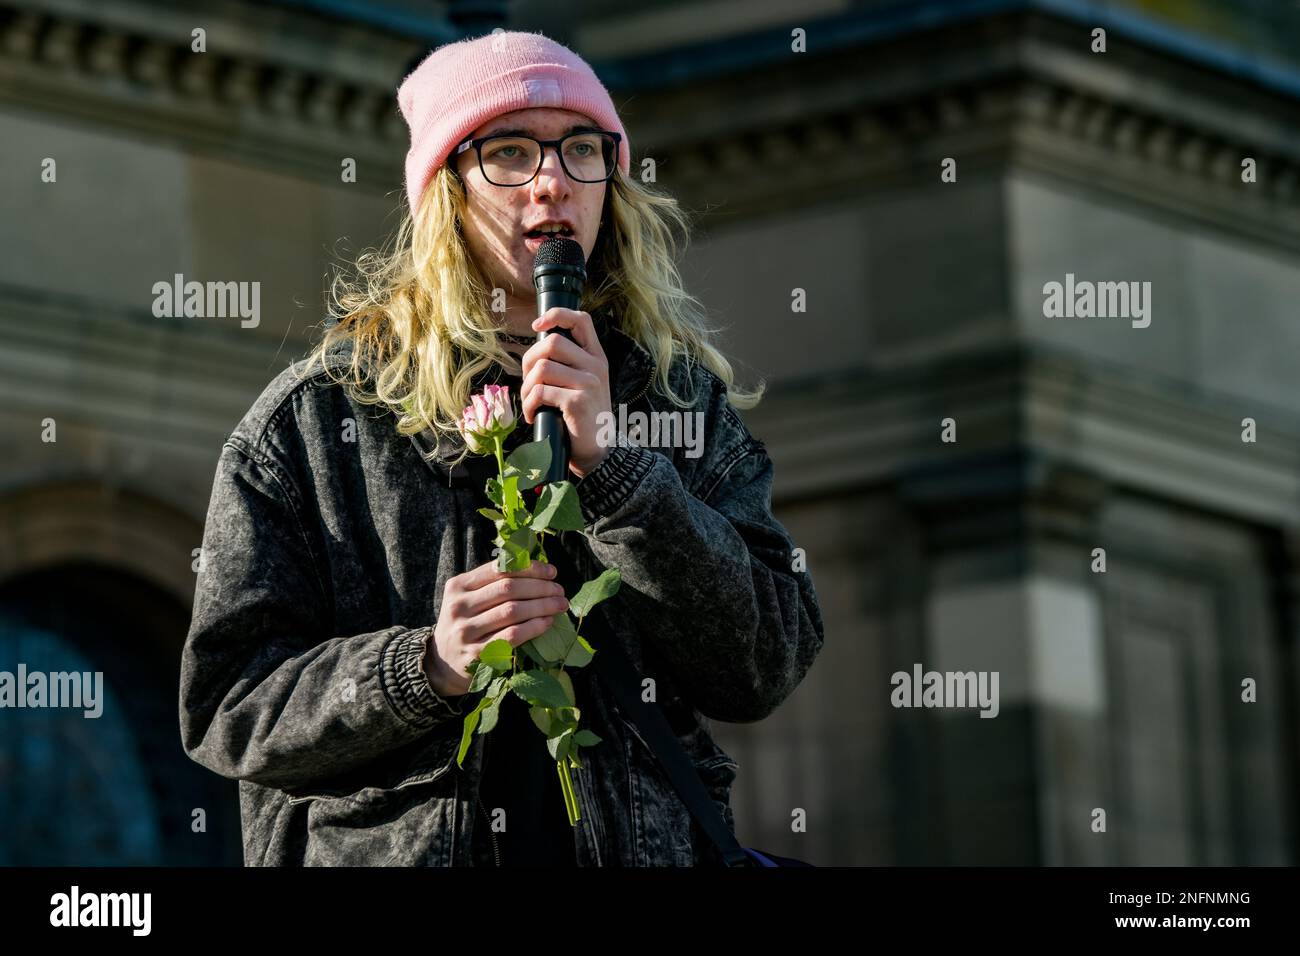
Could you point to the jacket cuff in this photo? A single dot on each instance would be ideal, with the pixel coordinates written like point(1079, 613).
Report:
point(405, 683)
point(606, 487)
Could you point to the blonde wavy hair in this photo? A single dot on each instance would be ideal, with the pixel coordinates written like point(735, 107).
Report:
point(417, 321)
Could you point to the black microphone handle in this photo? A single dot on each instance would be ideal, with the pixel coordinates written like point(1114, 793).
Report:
point(548, 423)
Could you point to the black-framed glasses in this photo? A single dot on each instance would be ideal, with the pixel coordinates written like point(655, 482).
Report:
point(507, 159)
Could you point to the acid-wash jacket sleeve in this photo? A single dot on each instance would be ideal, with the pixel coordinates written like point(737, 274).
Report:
point(267, 694)
point(706, 569)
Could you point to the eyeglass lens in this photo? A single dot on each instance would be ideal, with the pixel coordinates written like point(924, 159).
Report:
point(515, 160)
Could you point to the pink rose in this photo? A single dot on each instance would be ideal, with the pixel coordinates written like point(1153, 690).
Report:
point(490, 415)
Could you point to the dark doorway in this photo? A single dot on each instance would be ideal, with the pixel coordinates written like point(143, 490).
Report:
point(117, 788)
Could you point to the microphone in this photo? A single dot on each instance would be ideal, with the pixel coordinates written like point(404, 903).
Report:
point(559, 273)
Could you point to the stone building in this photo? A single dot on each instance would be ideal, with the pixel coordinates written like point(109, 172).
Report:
point(1100, 509)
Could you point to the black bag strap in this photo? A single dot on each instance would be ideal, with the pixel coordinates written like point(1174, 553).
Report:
point(614, 665)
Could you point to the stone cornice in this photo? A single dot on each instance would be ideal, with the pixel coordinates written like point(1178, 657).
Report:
point(1017, 90)
point(128, 391)
point(1051, 408)
point(207, 368)
point(268, 90)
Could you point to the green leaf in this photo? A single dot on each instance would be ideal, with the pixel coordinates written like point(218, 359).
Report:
point(511, 501)
point(542, 719)
point(559, 746)
point(562, 644)
point(467, 734)
point(580, 652)
point(586, 738)
point(595, 591)
point(495, 695)
point(516, 552)
point(558, 508)
point(564, 718)
point(567, 683)
point(496, 654)
point(491, 513)
point(539, 688)
point(553, 644)
point(528, 463)
point(504, 493)
point(533, 654)
point(483, 675)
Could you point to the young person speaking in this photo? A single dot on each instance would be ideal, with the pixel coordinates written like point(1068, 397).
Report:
point(348, 579)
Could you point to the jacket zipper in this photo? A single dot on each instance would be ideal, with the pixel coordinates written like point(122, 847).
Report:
point(648, 382)
point(496, 852)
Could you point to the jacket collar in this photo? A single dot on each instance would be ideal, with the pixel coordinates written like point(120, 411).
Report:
point(631, 367)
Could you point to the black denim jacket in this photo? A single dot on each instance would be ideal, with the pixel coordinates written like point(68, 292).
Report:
point(327, 546)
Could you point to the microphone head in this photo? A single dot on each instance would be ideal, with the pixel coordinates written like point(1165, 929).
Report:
point(560, 251)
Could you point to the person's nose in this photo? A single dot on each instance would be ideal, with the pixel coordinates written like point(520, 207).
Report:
point(551, 179)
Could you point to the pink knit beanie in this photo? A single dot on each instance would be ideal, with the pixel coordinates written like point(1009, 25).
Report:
point(460, 86)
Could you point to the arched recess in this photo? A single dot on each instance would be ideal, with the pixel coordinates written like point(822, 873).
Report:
point(97, 582)
point(57, 523)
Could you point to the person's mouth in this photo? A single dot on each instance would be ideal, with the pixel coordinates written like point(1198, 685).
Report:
point(538, 234)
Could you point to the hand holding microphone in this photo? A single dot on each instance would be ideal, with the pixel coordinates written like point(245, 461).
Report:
point(565, 384)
